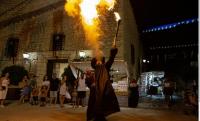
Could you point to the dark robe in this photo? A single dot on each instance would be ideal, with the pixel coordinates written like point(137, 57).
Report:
point(102, 99)
point(133, 97)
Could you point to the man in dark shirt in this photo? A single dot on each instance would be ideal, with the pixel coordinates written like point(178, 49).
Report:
point(54, 86)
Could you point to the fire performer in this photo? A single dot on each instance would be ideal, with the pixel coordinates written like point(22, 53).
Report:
point(102, 100)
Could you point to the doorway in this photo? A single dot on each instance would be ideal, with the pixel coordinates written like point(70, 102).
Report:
point(56, 66)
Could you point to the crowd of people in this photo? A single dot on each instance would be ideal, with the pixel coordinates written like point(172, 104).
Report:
point(52, 90)
point(102, 99)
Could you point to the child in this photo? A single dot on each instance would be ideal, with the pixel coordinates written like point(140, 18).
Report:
point(74, 96)
point(63, 89)
point(34, 96)
point(81, 90)
point(43, 95)
point(25, 89)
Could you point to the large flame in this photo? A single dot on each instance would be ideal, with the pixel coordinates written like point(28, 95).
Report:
point(89, 14)
point(88, 11)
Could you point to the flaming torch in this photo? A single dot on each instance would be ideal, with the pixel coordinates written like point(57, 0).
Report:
point(118, 19)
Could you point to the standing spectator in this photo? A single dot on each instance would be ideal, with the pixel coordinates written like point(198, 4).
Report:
point(190, 99)
point(168, 91)
point(46, 82)
point(34, 96)
point(25, 91)
point(4, 82)
point(74, 95)
point(43, 95)
point(63, 90)
point(54, 86)
point(81, 90)
point(32, 84)
point(133, 94)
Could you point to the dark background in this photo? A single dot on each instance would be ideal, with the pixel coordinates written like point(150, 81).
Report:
point(175, 50)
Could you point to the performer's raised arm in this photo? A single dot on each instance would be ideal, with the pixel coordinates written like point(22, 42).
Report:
point(113, 53)
point(93, 62)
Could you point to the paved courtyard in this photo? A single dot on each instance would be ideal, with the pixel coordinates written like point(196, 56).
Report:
point(26, 112)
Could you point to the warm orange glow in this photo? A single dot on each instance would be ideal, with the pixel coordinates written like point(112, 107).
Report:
point(108, 3)
point(88, 12)
point(72, 7)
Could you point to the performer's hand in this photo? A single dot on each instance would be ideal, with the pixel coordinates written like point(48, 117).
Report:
point(93, 62)
point(114, 51)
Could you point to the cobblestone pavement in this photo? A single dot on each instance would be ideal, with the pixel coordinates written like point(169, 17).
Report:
point(26, 112)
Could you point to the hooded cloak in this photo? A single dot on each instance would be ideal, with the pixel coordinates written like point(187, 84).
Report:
point(102, 100)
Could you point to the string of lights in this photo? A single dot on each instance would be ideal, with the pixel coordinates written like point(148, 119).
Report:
point(170, 26)
point(173, 46)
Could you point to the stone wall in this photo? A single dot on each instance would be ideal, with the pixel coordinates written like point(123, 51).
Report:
point(35, 33)
point(131, 37)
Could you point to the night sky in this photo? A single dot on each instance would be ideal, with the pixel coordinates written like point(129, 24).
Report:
point(158, 12)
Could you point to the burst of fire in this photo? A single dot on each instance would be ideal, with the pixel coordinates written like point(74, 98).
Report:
point(87, 9)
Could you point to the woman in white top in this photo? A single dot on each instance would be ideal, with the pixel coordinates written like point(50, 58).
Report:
point(63, 90)
point(46, 82)
point(4, 82)
point(81, 90)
